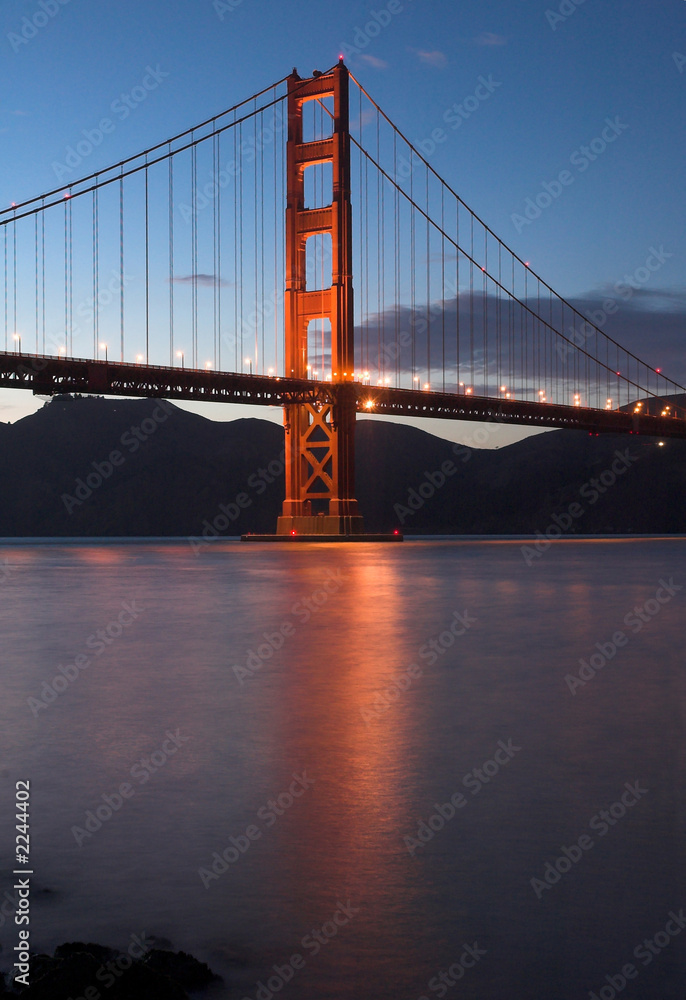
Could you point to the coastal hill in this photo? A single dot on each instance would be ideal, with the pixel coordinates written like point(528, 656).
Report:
point(106, 467)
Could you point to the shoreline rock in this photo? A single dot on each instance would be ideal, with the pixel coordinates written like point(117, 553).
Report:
point(77, 967)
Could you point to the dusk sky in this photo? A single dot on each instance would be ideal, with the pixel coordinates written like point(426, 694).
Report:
point(549, 80)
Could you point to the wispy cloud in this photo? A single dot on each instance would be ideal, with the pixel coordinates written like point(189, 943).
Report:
point(367, 117)
point(488, 38)
point(13, 114)
point(373, 61)
point(207, 280)
point(433, 58)
point(663, 300)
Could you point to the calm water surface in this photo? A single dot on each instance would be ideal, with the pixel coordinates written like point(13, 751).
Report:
point(377, 744)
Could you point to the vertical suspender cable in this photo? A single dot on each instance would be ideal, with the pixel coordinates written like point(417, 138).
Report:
point(194, 254)
point(484, 307)
point(6, 290)
point(71, 277)
point(413, 319)
point(276, 195)
point(553, 361)
point(147, 270)
point(215, 265)
point(547, 358)
point(576, 371)
point(365, 246)
point(66, 279)
point(561, 369)
point(96, 290)
point(121, 266)
point(171, 257)
point(512, 354)
point(443, 283)
point(538, 329)
point(499, 318)
point(235, 253)
point(382, 252)
point(428, 283)
point(42, 219)
point(14, 230)
point(35, 228)
point(262, 256)
point(218, 359)
point(379, 256)
point(396, 269)
point(256, 311)
point(526, 326)
point(457, 292)
point(258, 305)
point(262, 360)
point(240, 238)
point(522, 355)
point(276, 242)
point(363, 328)
point(471, 299)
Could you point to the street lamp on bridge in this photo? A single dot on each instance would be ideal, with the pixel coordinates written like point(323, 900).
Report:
point(17, 337)
point(103, 347)
point(181, 355)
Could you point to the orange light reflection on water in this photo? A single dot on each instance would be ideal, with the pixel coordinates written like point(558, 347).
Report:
point(346, 660)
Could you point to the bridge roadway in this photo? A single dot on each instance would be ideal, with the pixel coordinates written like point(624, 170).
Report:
point(50, 375)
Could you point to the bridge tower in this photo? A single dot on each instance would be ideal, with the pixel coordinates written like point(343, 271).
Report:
point(320, 437)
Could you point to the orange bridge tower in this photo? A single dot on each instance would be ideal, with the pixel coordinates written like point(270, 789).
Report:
point(320, 437)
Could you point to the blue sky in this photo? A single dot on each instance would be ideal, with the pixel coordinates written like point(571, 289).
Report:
point(557, 74)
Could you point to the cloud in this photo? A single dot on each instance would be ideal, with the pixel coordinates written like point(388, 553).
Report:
point(663, 300)
point(13, 114)
point(651, 324)
point(434, 58)
point(488, 38)
point(207, 280)
point(373, 61)
point(366, 118)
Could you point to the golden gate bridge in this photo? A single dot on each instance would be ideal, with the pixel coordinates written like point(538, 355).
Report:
point(174, 275)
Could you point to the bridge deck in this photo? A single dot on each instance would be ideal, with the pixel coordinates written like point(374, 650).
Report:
point(50, 375)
